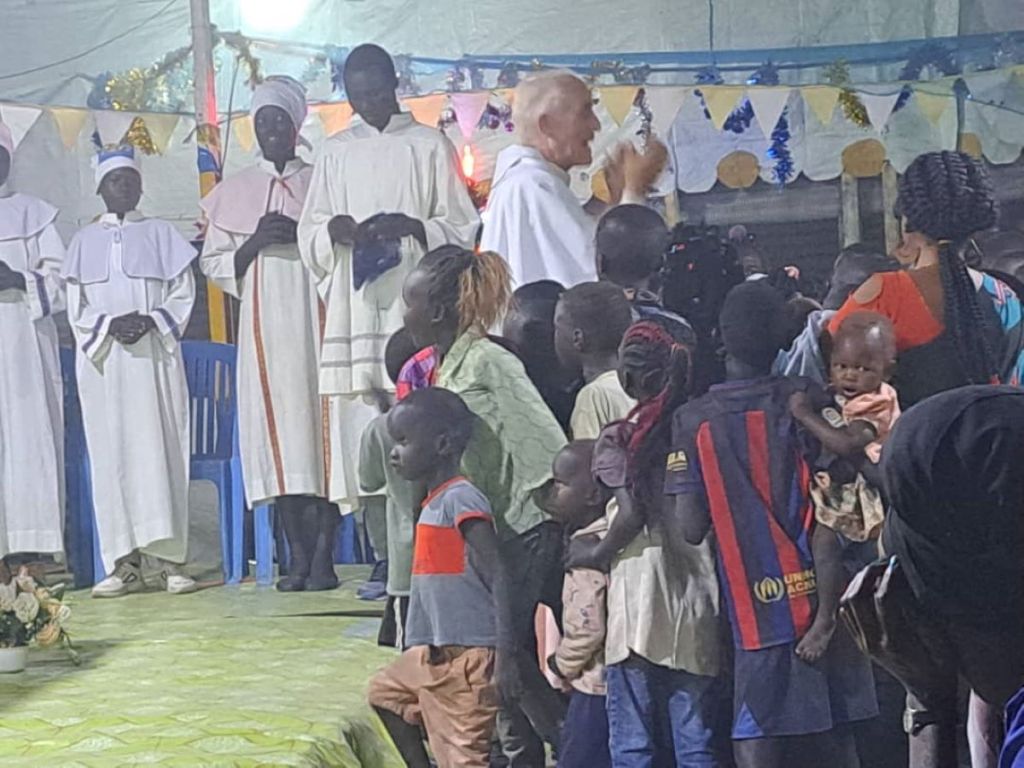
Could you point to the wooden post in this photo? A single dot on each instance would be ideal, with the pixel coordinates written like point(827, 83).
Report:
point(849, 211)
point(890, 190)
point(672, 208)
point(207, 141)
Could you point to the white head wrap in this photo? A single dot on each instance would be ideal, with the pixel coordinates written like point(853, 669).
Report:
point(110, 160)
point(6, 139)
point(284, 92)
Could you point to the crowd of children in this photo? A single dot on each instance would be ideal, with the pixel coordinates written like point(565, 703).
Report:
point(672, 518)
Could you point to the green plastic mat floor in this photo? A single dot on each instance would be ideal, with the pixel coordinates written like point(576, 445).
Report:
point(229, 676)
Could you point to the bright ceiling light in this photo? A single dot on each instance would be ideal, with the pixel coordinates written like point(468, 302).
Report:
point(267, 16)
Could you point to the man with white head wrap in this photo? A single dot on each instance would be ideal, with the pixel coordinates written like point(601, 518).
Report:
point(533, 218)
point(384, 192)
point(130, 294)
point(251, 253)
point(31, 414)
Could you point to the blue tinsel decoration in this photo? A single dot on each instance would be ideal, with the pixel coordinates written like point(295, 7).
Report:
point(782, 171)
point(709, 76)
point(336, 57)
point(98, 97)
point(766, 74)
point(739, 119)
point(930, 54)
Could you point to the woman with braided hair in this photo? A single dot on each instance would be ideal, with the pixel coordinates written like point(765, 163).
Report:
point(954, 326)
point(452, 297)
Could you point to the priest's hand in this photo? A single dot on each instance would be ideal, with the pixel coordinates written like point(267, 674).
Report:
point(277, 229)
point(342, 230)
point(128, 329)
point(392, 226)
point(637, 170)
point(273, 229)
point(9, 279)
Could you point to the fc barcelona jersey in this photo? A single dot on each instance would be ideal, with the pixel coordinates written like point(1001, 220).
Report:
point(739, 448)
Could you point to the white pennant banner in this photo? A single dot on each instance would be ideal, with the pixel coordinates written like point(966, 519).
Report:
point(879, 107)
point(19, 119)
point(768, 105)
point(468, 109)
point(112, 125)
point(665, 103)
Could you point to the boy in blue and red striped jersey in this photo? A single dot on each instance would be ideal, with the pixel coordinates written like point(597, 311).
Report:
point(737, 465)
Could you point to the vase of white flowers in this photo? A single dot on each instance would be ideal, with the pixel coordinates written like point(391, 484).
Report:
point(30, 612)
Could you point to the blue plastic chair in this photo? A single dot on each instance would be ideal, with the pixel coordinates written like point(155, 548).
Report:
point(210, 370)
point(81, 543)
point(346, 545)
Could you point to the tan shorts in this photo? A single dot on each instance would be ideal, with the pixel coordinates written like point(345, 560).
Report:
point(452, 694)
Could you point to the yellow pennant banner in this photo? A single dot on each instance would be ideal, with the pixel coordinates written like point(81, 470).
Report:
point(618, 100)
point(822, 100)
point(721, 100)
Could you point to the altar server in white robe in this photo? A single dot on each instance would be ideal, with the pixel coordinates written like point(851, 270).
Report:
point(384, 191)
point(533, 218)
point(251, 253)
point(130, 294)
point(31, 408)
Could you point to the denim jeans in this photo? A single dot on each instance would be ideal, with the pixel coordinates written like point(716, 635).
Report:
point(660, 717)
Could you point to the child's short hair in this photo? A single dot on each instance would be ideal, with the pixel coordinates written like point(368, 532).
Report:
point(601, 311)
point(877, 329)
point(443, 412)
point(752, 324)
point(632, 241)
point(400, 349)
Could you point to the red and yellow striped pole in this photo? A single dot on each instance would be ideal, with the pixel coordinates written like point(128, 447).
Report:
point(208, 144)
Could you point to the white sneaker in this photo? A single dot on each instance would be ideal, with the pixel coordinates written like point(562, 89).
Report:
point(175, 582)
point(126, 578)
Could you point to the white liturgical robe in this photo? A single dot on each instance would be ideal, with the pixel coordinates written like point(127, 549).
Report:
point(536, 223)
point(281, 429)
point(135, 401)
point(31, 405)
point(407, 168)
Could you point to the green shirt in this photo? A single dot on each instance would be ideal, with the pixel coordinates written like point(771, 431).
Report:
point(376, 475)
point(516, 437)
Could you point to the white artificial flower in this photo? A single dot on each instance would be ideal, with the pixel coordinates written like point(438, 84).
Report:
point(25, 582)
point(8, 592)
point(26, 607)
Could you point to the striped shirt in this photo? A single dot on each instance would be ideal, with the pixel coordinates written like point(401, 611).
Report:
point(450, 604)
point(738, 447)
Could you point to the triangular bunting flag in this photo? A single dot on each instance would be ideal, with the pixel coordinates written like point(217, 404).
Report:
point(161, 127)
point(69, 124)
point(721, 101)
point(468, 108)
point(427, 109)
point(20, 120)
point(822, 100)
point(664, 103)
point(933, 105)
point(335, 117)
point(618, 100)
point(112, 125)
point(768, 104)
point(879, 107)
point(245, 132)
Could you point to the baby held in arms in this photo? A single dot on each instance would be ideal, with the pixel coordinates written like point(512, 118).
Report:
point(851, 429)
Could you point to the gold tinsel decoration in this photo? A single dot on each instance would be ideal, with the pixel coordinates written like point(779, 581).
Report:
point(146, 89)
point(138, 136)
point(838, 74)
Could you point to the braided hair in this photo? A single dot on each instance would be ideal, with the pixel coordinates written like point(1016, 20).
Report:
point(649, 347)
point(475, 286)
point(947, 196)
